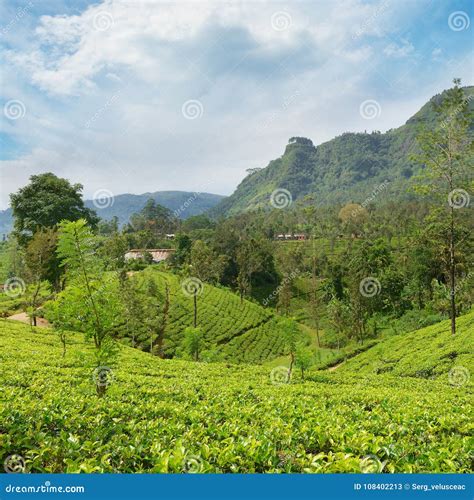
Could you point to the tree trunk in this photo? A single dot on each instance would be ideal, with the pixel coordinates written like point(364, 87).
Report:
point(164, 321)
point(290, 369)
point(452, 273)
point(317, 334)
point(101, 390)
point(195, 310)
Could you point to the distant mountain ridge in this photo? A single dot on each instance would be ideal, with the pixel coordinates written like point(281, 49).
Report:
point(348, 168)
point(185, 204)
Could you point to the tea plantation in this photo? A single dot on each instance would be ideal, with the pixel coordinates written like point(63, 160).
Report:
point(239, 332)
point(430, 352)
point(178, 416)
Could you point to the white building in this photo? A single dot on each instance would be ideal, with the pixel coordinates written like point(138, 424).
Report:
point(157, 254)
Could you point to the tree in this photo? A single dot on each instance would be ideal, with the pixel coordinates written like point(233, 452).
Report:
point(56, 315)
point(90, 302)
point(183, 250)
point(193, 338)
point(113, 249)
point(155, 218)
point(250, 258)
point(289, 263)
point(41, 265)
point(157, 316)
point(303, 358)
point(339, 315)
point(353, 217)
point(152, 314)
point(290, 334)
point(108, 227)
point(196, 222)
point(205, 263)
point(314, 304)
point(133, 308)
point(46, 201)
point(446, 153)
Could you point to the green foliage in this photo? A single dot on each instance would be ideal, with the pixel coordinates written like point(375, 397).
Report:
point(233, 330)
point(345, 169)
point(40, 257)
point(157, 414)
point(431, 350)
point(90, 302)
point(45, 202)
point(205, 264)
point(192, 342)
point(153, 217)
point(303, 358)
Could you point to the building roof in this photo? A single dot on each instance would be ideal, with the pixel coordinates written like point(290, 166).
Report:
point(157, 254)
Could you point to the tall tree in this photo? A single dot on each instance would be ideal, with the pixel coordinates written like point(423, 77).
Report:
point(250, 258)
point(90, 302)
point(446, 152)
point(205, 263)
point(46, 201)
point(155, 218)
point(41, 265)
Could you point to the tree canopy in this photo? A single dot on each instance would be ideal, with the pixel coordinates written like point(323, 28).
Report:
point(46, 201)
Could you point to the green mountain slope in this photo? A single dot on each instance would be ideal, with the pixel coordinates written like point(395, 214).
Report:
point(177, 416)
point(347, 168)
point(236, 332)
point(123, 206)
point(430, 352)
point(185, 203)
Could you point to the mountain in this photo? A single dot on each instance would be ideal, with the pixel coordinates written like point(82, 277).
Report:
point(347, 168)
point(183, 203)
point(186, 204)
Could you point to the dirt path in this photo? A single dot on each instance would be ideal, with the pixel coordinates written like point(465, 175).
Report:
point(23, 317)
point(335, 367)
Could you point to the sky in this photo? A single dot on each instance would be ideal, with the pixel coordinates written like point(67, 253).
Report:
point(142, 96)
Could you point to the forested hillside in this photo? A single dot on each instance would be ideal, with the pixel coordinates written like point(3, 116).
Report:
point(346, 169)
point(122, 206)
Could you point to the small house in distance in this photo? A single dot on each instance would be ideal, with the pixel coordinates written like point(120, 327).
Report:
point(157, 254)
point(290, 237)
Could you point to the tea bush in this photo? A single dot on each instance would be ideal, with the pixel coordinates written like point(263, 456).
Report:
point(177, 416)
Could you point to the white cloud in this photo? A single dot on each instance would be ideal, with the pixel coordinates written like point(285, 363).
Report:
point(104, 88)
point(402, 49)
